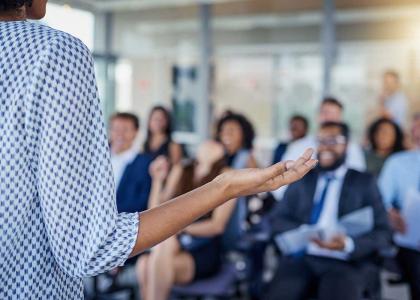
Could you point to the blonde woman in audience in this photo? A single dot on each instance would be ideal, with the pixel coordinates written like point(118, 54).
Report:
point(196, 252)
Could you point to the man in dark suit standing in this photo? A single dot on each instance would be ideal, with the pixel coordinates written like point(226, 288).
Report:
point(337, 264)
point(131, 168)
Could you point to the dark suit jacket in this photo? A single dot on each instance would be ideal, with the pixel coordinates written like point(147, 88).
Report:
point(359, 190)
point(279, 152)
point(134, 188)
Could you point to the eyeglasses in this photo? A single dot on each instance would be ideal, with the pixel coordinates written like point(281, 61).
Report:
point(332, 141)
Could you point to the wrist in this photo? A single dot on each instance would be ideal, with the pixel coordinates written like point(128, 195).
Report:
point(157, 183)
point(223, 185)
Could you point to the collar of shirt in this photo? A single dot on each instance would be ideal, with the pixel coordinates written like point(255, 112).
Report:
point(329, 215)
point(120, 162)
point(329, 212)
point(339, 173)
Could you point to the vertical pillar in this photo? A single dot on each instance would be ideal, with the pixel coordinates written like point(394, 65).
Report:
point(204, 73)
point(103, 32)
point(328, 45)
point(105, 61)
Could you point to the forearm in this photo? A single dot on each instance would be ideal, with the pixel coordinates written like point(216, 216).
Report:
point(155, 194)
point(166, 220)
point(204, 229)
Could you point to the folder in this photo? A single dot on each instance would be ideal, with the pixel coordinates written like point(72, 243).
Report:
point(354, 224)
point(358, 222)
point(296, 240)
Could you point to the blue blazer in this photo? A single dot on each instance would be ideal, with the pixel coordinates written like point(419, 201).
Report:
point(134, 188)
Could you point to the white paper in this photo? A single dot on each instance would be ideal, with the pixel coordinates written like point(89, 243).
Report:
point(358, 222)
point(411, 215)
point(354, 224)
point(296, 240)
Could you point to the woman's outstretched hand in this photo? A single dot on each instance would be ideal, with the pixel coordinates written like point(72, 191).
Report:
point(237, 183)
point(169, 218)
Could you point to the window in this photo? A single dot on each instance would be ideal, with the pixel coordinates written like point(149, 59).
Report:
point(78, 23)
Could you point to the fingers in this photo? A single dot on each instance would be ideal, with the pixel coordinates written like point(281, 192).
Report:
point(332, 245)
point(297, 172)
point(274, 171)
point(289, 164)
point(305, 158)
point(284, 173)
point(318, 242)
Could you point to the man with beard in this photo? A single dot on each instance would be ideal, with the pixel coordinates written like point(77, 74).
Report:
point(330, 110)
point(335, 265)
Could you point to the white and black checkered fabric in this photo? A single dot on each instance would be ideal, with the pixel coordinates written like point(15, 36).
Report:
point(58, 216)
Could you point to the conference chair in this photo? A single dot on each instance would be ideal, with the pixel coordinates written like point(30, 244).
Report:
point(226, 284)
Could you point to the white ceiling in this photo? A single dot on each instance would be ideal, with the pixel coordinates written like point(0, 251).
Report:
point(153, 18)
point(311, 18)
point(129, 5)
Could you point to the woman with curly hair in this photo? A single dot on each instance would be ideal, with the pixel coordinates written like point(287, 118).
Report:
point(237, 134)
point(58, 217)
point(385, 138)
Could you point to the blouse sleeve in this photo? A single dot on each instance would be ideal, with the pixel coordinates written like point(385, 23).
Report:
point(76, 188)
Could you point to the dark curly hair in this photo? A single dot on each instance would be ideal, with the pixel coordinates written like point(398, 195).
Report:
point(246, 126)
point(6, 5)
point(399, 136)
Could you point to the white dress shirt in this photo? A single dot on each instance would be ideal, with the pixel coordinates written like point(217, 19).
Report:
point(396, 104)
point(328, 220)
point(120, 162)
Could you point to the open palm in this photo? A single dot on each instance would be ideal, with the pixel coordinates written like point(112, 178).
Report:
point(252, 181)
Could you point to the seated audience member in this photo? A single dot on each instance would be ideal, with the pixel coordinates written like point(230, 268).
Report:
point(196, 252)
point(400, 178)
point(334, 262)
point(237, 134)
point(331, 110)
point(159, 136)
point(385, 138)
point(392, 101)
point(298, 127)
point(130, 167)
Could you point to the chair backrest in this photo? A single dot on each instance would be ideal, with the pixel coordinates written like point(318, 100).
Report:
point(235, 228)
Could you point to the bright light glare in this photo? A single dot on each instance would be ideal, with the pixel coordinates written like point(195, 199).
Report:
point(77, 22)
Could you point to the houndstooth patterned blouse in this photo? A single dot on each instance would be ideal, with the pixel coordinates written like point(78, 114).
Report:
point(58, 216)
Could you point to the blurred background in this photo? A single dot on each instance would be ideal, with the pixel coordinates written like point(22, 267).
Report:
point(266, 59)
